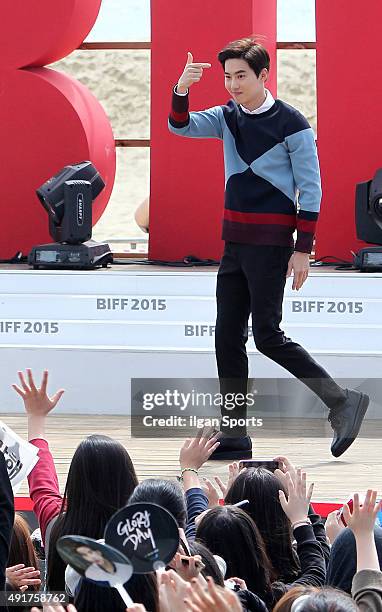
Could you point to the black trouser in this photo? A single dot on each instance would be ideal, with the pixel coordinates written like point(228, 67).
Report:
point(251, 279)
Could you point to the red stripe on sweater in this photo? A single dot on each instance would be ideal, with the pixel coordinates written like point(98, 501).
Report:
point(262, 218)
point(303, 225)
point(179, 117)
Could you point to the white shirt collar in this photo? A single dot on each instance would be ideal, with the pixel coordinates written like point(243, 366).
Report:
point(266, 105)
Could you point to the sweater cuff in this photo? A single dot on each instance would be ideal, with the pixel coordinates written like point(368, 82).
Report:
point(306, 228)
point(176, 92)
point(369, 580)
point(179, 115)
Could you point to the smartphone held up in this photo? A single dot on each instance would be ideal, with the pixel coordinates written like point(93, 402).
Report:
point(268, 464)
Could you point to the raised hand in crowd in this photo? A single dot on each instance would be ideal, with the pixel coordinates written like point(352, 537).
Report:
point(212, 490)
point(362, 522)
point(188, 568)
point(233, 473)
point(285, 466)
point(296, 507)
point(194, 453)
point(172, 591)
point(333, 525)
point(37, 402)
point(211, 600)
point(21, 577)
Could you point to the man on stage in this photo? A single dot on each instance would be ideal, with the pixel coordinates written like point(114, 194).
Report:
point(272, 188)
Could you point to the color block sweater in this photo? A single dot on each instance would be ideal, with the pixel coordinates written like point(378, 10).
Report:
point(272, 175)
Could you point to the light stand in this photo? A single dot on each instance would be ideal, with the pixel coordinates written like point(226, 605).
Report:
point(67, 197)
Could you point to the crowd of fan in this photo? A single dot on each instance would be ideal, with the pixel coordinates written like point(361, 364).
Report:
point(271, 553)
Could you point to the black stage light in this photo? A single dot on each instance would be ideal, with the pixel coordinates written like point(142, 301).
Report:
point(368, 219)
point(67, 197)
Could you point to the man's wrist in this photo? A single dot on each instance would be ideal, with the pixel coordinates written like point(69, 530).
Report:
point(181, 90)
point(303, 246)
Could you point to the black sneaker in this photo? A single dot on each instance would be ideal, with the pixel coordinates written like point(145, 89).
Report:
point(347, 420)
point(231, 449)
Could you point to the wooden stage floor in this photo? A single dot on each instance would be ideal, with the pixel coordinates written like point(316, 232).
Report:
point(335, 479)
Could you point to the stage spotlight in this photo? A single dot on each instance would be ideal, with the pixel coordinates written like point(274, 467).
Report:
point(368, 218)
point(68, 197)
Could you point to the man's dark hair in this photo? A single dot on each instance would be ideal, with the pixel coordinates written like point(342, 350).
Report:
point(249, 50)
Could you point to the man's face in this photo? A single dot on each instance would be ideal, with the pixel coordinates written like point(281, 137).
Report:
point(90, 555)
point(242, 83)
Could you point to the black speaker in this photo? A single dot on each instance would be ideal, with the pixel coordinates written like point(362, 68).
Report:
point(368, 209)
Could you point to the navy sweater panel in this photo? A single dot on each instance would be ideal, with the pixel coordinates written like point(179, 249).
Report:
point(272, 173)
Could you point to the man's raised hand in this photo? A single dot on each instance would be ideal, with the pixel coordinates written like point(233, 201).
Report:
point(192, 73)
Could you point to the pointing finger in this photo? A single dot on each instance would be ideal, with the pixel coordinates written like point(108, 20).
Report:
point(200, 65)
